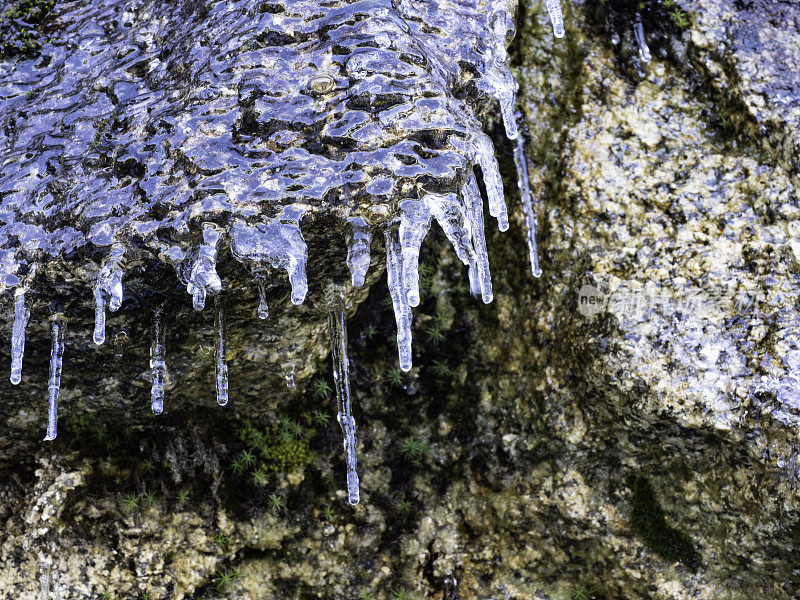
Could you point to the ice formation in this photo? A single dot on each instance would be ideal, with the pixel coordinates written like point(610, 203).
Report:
point(554, 10)
point(157, 363)
point(220, 354)
point(337, 326)
point(303, 176)
point(499, 75)
point(108, 290)
point(524, 184)
point(402, 309)
point(54, 382)
point(278, 243)
point(202, 277)
point(359, 237)
point(21, 316)
point(638, 32)
point(261, 284)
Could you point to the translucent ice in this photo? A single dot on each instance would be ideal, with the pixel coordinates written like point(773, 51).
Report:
point(359, 238)
point(402, 310)
point(523, 180)
point(638, 32)
point(202, 277)
point(337, 326)
point(453, 219)
point(108, 289)
point(554, 10)
point(157, 363)
point(499, 76)
point(414, 226)
point(54, 382)
point(483, 151)
point(220, 354)
point(263, 309)
point(21, 316)
point(277, 242)
point(474, 203)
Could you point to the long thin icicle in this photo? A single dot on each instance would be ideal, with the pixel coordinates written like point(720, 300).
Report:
point(472, 198)
point(524, 183)
point(414, 226)
point(263, 308)
point(359, 237)
point(638, 32)
point(108, 289)
point(21, 316)
point(220, 354)
point(158, 364)
point(337, 326)
point(484, 155)
point(203, 276)
point(554, 10)
point(54, 382)
point(402, 311)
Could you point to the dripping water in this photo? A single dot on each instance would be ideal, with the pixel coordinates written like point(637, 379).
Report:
point(337, 326)
point(54, 381)
point(21, 316)
point(220, 354)
point(157, 363)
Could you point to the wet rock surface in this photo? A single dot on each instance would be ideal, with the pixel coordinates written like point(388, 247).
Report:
point(539, 448)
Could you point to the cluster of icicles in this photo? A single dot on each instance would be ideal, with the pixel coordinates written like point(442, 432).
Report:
point(279, 243)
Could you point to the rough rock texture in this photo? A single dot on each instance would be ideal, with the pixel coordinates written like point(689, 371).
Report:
point(537, 451)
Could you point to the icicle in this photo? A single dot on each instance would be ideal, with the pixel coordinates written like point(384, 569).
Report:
point(108, 289)
point(44, 582)
point(503, 82)
point(21, 316)
point(414, 226)
point(474, 202)
point(203, 275)
point(263, 309)
point(452, 218)
point(54, 382)
point(288, 377)
point(359, 237)
point(337, 326)
point(277, 242)
point(523, 181)
point(554, 10)
point(638, 32)
point(402, 311)
point(484, 156)
point(157, 364)
point(220, 354)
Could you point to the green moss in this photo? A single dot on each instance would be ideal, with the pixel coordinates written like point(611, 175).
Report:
point(649, 523)
point(272, 449)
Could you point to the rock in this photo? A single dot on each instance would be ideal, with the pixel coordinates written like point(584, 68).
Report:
point(646, 450)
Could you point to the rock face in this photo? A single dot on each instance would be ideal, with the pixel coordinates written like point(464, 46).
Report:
point(640, 446)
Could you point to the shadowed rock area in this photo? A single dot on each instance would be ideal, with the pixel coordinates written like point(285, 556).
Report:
point(642, 447)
